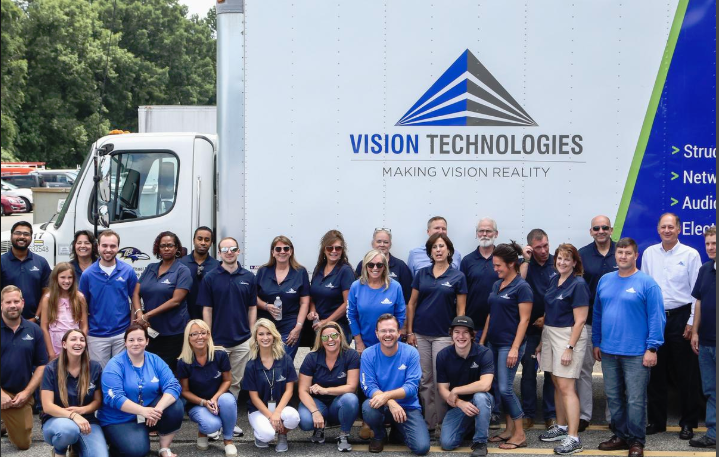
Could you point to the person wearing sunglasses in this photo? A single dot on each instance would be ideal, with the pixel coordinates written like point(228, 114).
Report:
point(199, 262)
point(159, 298)
point(598, 259)
point(204, 373)
point(398, 270)
point(328, 381)
point(331, 281)
point(439, 293)
point(285, 278)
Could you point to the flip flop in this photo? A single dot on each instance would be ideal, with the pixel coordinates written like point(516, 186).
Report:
point(498, 438)
point(512, 446)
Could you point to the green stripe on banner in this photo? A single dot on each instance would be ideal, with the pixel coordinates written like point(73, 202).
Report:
point(649, 119)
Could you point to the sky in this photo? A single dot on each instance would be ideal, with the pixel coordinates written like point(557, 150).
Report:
point(199, 7)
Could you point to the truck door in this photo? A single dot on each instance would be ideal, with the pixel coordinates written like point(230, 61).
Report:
point(203, 191)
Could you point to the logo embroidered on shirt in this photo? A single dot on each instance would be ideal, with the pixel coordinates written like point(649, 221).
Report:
point(681, 263)
point(615, 267)
point(474, 365)
point(218, 374)
point(120, 278)
point(28, 337)
point(342, 375)
point(111, 393)
point(291, 291)
point(91, 386)
point(448, 284)
point(392, 275)
point(244, 283)
point(560, 298)
point(281, 379)
point(34, 269)
point(632, 290)
point(166, 282)
point(552, 274)
point(330, 285)
point(386, 301)
point(402, 368)
point(154, 380)
point(505, 296)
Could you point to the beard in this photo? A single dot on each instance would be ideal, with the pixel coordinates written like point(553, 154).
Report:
point(486, 242)
point(18, 247)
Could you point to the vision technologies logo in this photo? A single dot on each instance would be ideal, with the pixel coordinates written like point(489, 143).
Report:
point(462, 97)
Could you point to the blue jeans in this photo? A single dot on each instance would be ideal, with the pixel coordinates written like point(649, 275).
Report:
point(625, 385)
point(414, 430)
point(456, 423)
point(503, 383)
point(707, 366)
point(63, 432)
point(208, 423)
point(344, 410)
point(133, 438)
point(529, 384)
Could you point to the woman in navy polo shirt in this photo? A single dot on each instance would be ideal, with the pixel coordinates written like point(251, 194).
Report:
point(270, 378)
point(398, 270)
point(69, 419)
point(564, 341)
point(439, 293)
point(84, 252)
point(285, 278)
point(204, 374)
point(331, 281)
point(328, 381)
point(163, 288)
point(510, 306)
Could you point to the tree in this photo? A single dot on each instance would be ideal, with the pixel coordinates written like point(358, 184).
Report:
point(13, 68)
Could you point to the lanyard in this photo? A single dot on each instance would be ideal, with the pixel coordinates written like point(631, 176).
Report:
point(272, 383)
point(140, 384)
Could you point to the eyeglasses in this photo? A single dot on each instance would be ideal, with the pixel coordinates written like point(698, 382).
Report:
point(167, 246)
point(333, 336)
point(385, 229)
point(485, 231)
point(194, 335)
point(604, 228)
point(330, 249)
point(372, 265)
point(21, 234)
point(229, 249)
point(280, 249)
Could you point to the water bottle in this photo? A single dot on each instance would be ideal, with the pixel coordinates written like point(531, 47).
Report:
point(278, 306)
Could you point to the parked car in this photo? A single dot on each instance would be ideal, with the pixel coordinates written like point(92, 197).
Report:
point(11, 205)
point(57, 178)
point(9, 189)
point(25, 181)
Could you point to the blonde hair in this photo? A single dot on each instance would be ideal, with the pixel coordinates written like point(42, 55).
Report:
point(188, 355)
point(77, 301)
point(330, 324)
point(278, 348)
point(364, 278)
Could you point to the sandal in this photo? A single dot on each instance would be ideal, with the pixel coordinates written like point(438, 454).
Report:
point(498, 438)
point(165, 450)
point(512, 445)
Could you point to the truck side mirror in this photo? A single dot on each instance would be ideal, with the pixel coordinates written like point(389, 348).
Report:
point(104, 188)
point(103, 216)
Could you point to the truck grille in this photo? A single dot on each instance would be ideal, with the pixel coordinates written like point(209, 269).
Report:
point(5, 247)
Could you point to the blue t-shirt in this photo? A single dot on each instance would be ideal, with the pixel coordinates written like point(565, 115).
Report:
point(399, 272)
point(504, 310)
point(270, 383)
point(437, 300)
point(480, 279)
point(595, 266)
point(629, 315)
point(365, 305)
point(458, 371)
point(560, 301)
point(108, 298)
point(538, 278)
point(418, 259)
point(204, 381)
point(295, 286)
point(50, 383)
point(326, 292)
point(155, 291)
point(315, 366)
point(20, 353)
point(121, 381)
point(230, 296)
point(198, 272)
point(387, 373)
point(31, 275)
point(705, 289)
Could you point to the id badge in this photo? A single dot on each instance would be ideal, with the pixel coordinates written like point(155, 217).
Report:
point(140, 419)
point(272, 406)
point(152, 333)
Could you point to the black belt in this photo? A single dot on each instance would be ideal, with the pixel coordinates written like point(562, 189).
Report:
point(678, 309)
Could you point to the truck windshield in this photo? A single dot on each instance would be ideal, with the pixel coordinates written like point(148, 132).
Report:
point(71, 195)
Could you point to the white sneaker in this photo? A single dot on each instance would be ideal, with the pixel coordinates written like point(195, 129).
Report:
point(215, 436)
point(203, 443)
point(230, 450)
point(237, 432)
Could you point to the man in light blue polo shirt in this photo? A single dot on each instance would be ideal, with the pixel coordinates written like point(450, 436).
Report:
point(418, 256)
point(108, 285)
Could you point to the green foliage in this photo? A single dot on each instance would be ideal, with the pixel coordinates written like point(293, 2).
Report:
point(13, 68)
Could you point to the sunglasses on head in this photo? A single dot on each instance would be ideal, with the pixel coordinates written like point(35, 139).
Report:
point(229, 249)
point(333, 336)
point(604, 228)
point(280, 249)
point(330, 249)
point(200, 271)
point(372, 265)
point(385, 229)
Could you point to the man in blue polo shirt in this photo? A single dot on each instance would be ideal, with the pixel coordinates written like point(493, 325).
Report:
point(22, 348)
point(538, 271)
point(598, 259)
point(108, 285)
point(704, 332)
point(628, 329)
point(418, 256)
point(27, 271)
point(465, 372)
point(200, 263)
point(228, 296)
point(389, 374)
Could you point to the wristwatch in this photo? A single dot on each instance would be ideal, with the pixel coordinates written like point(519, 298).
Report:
point(570, 347)
point(653, 350)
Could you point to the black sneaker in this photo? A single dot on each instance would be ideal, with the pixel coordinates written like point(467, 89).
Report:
point(703, 442)
point(479, 449)
point(318, 437)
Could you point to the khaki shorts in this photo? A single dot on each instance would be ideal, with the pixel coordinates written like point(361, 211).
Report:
point(554, 343)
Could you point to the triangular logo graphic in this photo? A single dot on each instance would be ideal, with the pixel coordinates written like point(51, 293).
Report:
point(466, 95)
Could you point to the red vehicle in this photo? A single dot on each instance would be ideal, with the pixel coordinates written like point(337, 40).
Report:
point(12, 205)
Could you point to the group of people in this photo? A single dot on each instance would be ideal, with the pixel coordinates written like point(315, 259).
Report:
point(437, 341)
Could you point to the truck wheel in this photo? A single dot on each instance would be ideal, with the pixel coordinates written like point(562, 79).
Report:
point(28, 205)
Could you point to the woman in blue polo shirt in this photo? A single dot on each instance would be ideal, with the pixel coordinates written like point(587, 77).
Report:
point(204, 374)
point(331, 281)
point(564, 341)
point(398, 270)
point(163, 288)
point(510, 306)
point(285, 278)
point(83, 252)
point(439, 293)
point(270, 378)
point(373, 295)
point(328, 381)
point(70, 396)
point(140, 394)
